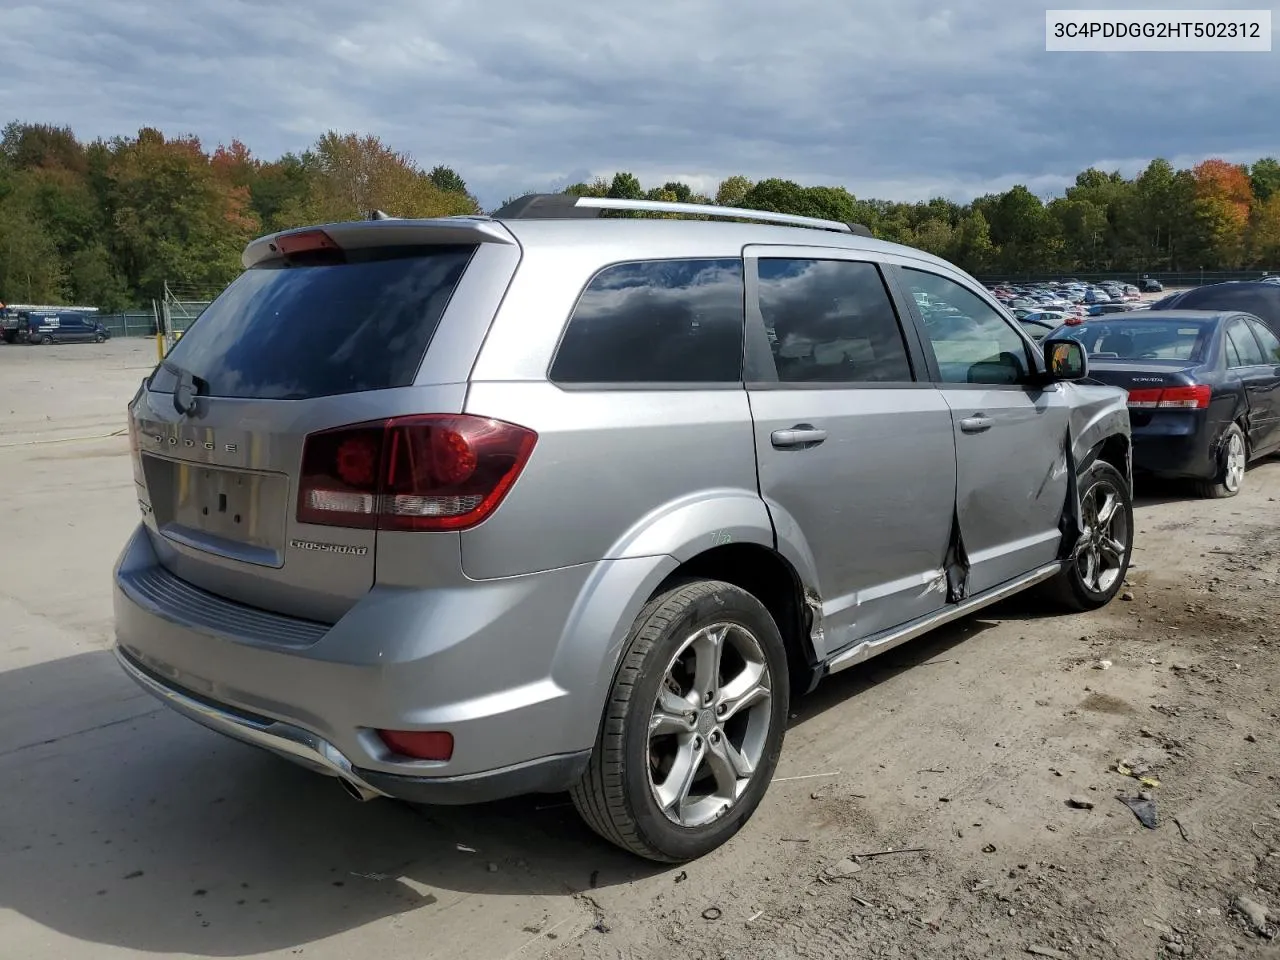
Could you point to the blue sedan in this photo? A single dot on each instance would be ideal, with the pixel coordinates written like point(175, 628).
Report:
point(1204, 390)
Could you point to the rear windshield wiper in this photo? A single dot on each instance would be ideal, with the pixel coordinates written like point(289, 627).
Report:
point(188, 387)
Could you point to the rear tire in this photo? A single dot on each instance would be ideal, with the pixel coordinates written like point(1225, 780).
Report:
point(1233, 462)
point(702, 690)
point(1100, 560)
point(46, 340)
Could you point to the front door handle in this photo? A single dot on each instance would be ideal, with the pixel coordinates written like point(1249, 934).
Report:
point(976, 424)
point(801, 435)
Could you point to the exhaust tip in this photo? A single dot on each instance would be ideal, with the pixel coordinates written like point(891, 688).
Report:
point(355, 791)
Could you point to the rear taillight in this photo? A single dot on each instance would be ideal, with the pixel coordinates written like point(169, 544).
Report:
point(1172, 398)
point(429, 472)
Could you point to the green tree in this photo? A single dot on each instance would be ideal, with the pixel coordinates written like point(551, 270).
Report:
point(625, 186)
point(599, 187)
point(733, 191)
point(30, 268)
point(972, 248)
point(34, 145)
point(94, 281)
point(448, 180)
point(1264, 177)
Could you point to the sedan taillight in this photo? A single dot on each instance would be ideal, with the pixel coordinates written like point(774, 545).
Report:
point(1173, 398)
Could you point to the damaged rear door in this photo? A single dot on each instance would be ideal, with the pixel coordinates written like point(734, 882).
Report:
point(1010, 432)
point(854, 444)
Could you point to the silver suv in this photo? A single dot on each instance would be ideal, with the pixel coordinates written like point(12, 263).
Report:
point(459, 509)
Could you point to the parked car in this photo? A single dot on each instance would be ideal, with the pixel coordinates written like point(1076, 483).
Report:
point(1102, 309)
point(1256, 297)
point(61, 327)
point(1271, 278)
point(1037, 329)
point(34, 323)
point(1149, 285)
point(465, 508)
point(1204, 390)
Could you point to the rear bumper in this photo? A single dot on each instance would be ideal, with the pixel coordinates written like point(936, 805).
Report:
point(1172, 450)
point(515, 669)
point(319, 755)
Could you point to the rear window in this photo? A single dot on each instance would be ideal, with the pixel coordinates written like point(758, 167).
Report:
point(282, 332)
point(657, 321)
point(1142, 340)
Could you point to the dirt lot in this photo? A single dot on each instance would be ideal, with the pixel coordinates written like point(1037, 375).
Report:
point(946, 771)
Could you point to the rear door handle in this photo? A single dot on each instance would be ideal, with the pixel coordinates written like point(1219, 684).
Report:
point(801, 435)
point(976, 424)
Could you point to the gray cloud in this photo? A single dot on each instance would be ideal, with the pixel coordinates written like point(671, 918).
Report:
point(899, 99)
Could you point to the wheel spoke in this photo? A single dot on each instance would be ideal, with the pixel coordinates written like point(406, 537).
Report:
point(728, 766)
point(1112, 549)
point(674, 790)
point(707, 648)
point(747, 689)
point(1108, 510)
point(1090, 572)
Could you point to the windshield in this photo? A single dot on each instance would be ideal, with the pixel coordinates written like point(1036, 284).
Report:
point(1142, 339)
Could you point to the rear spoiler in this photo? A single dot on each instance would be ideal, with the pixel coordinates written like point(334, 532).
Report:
point(389, 232)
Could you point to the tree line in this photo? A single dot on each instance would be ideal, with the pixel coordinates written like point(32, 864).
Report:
point(108, 223)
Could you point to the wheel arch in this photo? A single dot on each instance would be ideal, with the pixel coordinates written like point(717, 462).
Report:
point(769, 577)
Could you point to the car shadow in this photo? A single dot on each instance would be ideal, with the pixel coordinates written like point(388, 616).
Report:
point(147, 832)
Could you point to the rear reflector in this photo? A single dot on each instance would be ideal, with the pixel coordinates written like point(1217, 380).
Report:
point(421, 745)
point(429, 472)
point(1172, 398)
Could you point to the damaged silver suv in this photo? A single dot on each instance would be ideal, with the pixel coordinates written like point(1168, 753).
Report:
point(465, 508)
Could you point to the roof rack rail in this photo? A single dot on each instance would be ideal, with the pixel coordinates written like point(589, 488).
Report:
point(561, 206)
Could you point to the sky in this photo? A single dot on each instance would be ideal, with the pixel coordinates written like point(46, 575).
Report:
point(893, 99)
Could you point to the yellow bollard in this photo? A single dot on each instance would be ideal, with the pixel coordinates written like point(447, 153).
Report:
point(159, 347)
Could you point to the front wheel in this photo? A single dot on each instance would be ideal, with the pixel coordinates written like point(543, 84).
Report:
point(46, 340)
point(1100, 559)
point(693, 727)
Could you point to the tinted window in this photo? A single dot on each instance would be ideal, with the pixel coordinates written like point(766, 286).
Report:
point(1270, 342)
point(290, 332)
point(1142, 339)
point(1233, 355)
point(971, 341)
point(831, 321)
point(658, 321)
point(1246, 346)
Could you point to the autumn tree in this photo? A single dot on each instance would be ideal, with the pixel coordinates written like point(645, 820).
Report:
point(1223, 198)
point(174, 219)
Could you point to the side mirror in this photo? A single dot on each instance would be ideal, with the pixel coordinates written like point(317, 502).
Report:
point(1065, 360)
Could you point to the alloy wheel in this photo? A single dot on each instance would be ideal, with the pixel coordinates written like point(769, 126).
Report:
point(1100, 552)
point(1233, 476)
point(709, 724)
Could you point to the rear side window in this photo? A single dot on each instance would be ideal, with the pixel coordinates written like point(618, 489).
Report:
point(1246, 346)
point(293, 332)
point(1270, 343)
point(656, 321)
point(831, 321)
